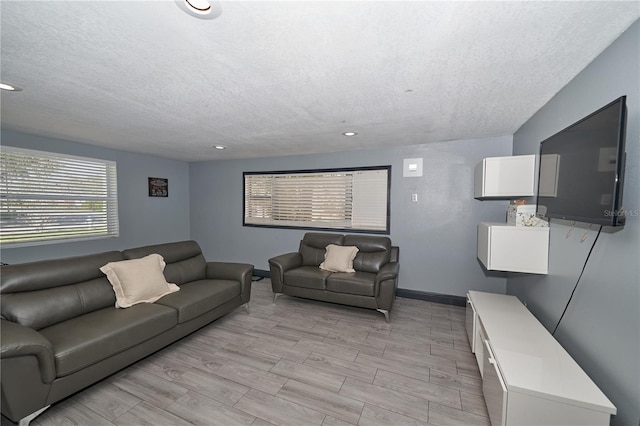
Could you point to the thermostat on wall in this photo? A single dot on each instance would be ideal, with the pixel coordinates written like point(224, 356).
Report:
point(412, 167)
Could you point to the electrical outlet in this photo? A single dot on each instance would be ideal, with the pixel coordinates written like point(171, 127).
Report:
point(414, 197)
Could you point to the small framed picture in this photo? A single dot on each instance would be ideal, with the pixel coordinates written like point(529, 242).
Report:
point(158, 187)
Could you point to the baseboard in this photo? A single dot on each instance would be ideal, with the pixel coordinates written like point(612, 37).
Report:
point(445, 299)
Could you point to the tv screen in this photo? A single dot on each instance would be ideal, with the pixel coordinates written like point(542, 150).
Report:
point(582, 169)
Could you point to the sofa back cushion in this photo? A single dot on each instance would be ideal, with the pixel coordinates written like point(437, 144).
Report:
point(313, 247)
point(373, 252)
point(184, 260)
point(40, 294)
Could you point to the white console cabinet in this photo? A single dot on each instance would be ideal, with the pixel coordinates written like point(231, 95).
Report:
point(505, 177)
point(505, 247)
point(527, 376)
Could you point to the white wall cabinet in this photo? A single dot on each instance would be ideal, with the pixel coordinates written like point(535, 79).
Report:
point(501, 246)
point(505, 177)
point(527, 376)
point(505, 247)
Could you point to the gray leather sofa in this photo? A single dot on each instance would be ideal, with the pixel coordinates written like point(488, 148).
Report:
point(373, 285)
point(60, 330)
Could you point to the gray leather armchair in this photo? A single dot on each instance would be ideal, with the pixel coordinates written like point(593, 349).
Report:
point(373, 285)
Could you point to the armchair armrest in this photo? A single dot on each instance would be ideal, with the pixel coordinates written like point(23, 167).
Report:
point(279, 265)
point(19, 341)
point(242, 272)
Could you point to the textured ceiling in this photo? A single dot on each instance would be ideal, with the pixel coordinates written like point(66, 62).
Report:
point(280, 78)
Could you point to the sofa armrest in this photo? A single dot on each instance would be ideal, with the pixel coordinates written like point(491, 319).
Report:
point(279, 265)
point(241, 272)
point(386, 284)
point(388, 272)
point(19, 341)
point(286, 261)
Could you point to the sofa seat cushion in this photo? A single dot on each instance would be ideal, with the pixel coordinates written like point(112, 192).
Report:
point(307, 277)
point(199, 297)
point(360, 283)
point(90, 338)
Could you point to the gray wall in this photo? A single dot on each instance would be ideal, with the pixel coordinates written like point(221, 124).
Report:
point(601, 328)
point(436, 236)
point(143, 220)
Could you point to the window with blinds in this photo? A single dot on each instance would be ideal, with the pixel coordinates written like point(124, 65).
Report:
point(341, 199)
point(47, 197)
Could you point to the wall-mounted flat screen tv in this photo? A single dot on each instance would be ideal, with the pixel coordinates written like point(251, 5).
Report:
point(582, 169)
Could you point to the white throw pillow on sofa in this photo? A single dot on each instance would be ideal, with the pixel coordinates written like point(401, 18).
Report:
point(138, 280)
point(339, 258)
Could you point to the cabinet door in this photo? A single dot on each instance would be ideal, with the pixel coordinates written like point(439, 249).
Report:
point(505, 177)
point(493, 388)
point(480, 337)
point(519, 249)
point(484, 244)
point(503, 247)
point(470, 324)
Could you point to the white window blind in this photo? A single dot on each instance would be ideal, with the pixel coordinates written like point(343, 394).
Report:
point(346, 199)
point(48, 197)
point(369, 203)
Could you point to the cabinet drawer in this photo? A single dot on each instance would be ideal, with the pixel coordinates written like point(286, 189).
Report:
point(493, 388)
point(480, 336)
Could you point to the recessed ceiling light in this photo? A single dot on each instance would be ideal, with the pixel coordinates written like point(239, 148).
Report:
point(10, 87)
point(201, 9)
point(350, 133)
point(220, 147)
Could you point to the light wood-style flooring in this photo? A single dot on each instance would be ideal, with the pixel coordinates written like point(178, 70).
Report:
point(297, 362)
